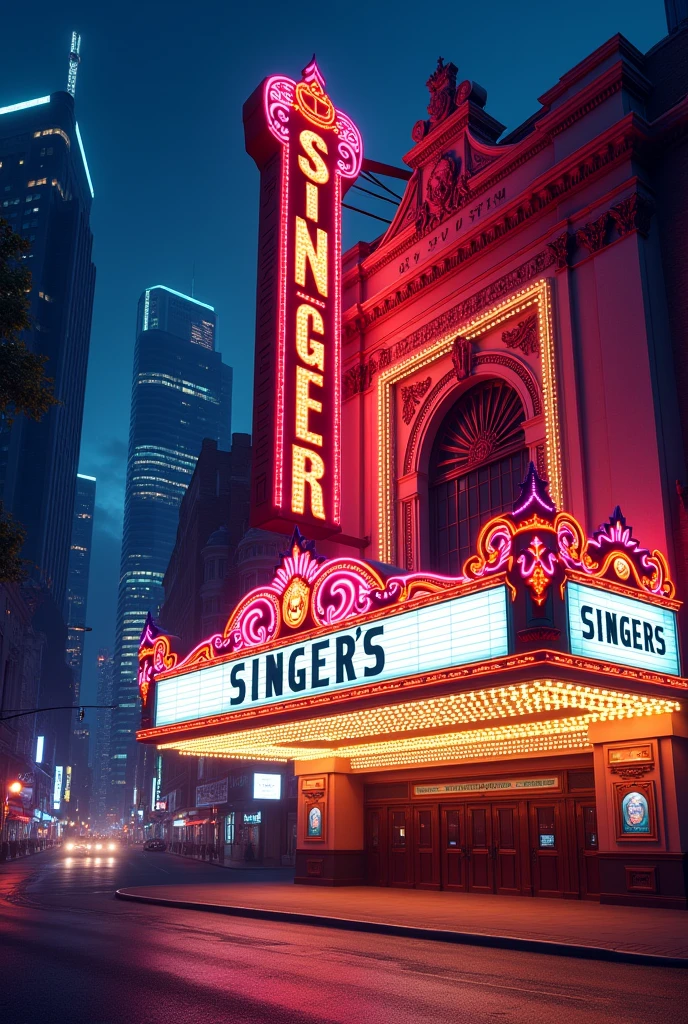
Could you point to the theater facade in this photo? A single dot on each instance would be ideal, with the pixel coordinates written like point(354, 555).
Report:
point(477, 685)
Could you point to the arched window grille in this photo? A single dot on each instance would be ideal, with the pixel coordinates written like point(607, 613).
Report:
point(478, 460)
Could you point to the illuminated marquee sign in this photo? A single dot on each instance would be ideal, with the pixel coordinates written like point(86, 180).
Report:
point(308, 153)
point(623, 630)
point(428, 639)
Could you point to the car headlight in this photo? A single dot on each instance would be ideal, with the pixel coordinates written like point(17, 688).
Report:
point(88, 846)
point(111, 846)
point(99, 846)
point(70, 846)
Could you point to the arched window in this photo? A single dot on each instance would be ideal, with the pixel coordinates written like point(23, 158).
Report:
point(478, 460)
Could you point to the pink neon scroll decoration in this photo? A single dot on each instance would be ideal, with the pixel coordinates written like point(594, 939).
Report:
point(279, 97)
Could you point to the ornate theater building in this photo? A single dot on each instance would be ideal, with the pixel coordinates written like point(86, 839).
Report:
point(478, 687)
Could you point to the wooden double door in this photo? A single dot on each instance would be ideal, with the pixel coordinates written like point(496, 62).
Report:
point(512, 848)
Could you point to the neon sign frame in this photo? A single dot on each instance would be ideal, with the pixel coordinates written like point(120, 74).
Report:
point(309, 153)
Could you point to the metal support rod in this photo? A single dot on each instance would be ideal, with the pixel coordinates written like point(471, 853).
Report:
point(366, 214)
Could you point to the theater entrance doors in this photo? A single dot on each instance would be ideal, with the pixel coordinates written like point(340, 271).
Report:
point(504, 847)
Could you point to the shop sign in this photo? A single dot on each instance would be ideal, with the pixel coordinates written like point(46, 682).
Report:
point(179, 822)
point(313, 785)
point(252, 817)
point(488, 786)
point(267, 787)
point(57, 787)
point(211, 793)
point(455, 632)
point(623, 630)
point(67, 795)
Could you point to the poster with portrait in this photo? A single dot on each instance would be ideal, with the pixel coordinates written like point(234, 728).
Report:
point(635, 811)
point(315, 822)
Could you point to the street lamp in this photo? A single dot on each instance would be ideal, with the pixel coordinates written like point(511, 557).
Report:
point(13, 788)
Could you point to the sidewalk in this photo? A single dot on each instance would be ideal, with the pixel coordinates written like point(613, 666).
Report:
point(564, 927)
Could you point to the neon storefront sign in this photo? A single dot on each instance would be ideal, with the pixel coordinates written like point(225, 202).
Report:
point(308, 153)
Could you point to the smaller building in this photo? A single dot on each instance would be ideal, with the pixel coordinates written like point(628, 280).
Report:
point(195, 805)
point(242, 815)
point(26, 818)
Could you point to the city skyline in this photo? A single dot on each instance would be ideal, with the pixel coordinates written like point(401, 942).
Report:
point(130, 124)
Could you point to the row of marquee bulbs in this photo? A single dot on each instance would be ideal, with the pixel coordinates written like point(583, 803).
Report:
point(335, 735)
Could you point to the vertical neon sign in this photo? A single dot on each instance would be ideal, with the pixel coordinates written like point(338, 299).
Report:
point(308, 153)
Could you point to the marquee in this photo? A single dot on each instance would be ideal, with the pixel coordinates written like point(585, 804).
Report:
point(341, 629)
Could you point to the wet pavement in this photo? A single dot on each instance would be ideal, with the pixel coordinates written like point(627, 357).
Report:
point(71, 952)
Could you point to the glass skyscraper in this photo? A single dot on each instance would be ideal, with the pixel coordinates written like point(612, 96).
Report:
point(45, 195)
point(77, 580)
point(181, 394)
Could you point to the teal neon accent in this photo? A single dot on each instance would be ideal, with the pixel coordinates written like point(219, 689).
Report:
point(25, 105)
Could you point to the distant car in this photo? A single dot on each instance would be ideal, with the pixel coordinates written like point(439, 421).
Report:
point(89, 848)
point(155, 846)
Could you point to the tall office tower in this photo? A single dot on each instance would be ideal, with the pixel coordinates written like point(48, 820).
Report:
point(181, 394)
point(77, 579)
point(102, 795)
point(45, 195)
point(81, 775)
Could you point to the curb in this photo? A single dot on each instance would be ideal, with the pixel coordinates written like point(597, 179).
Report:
point(412, 932)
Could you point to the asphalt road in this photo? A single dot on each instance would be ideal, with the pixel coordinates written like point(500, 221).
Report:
point(71, 953)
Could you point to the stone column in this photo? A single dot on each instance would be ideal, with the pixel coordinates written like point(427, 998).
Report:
point(641, 790)
point(329, 824)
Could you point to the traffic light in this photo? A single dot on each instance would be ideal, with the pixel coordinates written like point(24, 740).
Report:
point(81, 714)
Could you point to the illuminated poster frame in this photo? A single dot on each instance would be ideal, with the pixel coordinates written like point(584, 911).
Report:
point(308, 153)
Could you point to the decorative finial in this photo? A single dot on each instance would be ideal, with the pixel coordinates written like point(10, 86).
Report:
point(312, 73)
point(442, 86)
point(533, 495)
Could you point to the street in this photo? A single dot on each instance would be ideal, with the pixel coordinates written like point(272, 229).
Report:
point(96, 960)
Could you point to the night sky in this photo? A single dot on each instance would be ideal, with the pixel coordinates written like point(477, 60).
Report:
point(159, 98)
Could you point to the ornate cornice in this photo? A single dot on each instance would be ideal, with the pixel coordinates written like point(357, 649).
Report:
point(630, 214)
point(546, 128)
point(540, 197)
point(360, 377)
